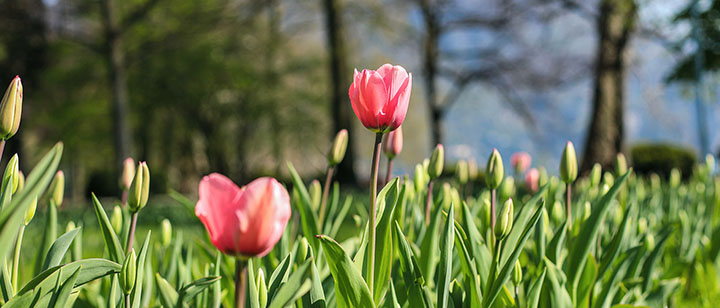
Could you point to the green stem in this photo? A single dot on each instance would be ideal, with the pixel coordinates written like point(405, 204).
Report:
point(388, 173)
point(16, 258)
point(240, 282)
point(568, 204)
point(326, 192)
point(428, 202)
point(493, 193)
point(131, 233)
point(373, 196)
point(127, 300)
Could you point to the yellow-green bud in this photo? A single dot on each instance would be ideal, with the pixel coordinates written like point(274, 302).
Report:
point(595, 175)
point(11, 109)
point(557, 212)
point(30, 213)
point(621, 166)
point(472, 169)
point(437, 160)
point(419, 178)
point(21, 181)
point(605, 188)
point(262, 288)
point(608, 179)
point(675, 177)
point(116, 219)
point(11, 174)
point(128, 173)
point(409, 188)
point(461, 172)
point(485, 213)
point(494, 172)
point(302, 251)
point(568, 164)
point(56, 191)
point(587, 210)
point(710, 163)
point(542, 176)
point(166, 232)
point(446, 195)
point(127, 273)
point(505, 220)
point(517, 273)
point(649, 242)
point(339, 146)
point(140, 188)
point(315, 194)
point(642, 225)
point(507, 188)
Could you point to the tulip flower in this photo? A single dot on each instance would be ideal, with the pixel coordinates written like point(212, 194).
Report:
point(380, 98)
point(531, 179)
point(128, 173)
point(520, 161)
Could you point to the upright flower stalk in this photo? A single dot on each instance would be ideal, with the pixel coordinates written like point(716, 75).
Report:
point(494, 174)
point(435, 168)
point(380, 100)
point(336, 155)
point(10, 111)
point(137, 198)
point(568, 173)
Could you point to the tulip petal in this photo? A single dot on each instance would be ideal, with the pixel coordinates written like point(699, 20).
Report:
point(396, 109)
point(394, 78)
point(373, 96)
point(265, 216)
point(218, 196)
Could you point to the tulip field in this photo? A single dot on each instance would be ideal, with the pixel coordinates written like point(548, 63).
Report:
point(450, 234)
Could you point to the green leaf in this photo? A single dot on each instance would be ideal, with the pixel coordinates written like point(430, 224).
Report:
point(253, 297)
point(533, 295)
point(468, 268)
point(445, 267)
point(613, 250)
point(555, 248)
point(58, 249)
point(278, 276)
point(475, 243)
point(507, 269)
point(417, 293)
point(12, 215)
point(140, 273)
point(429, 245)
point(587, 281)
point(192, 289)
point(521, 219)
point(168, 294)
point(6, 288)
point(62, 289)
point(49, 236)
point(652, 259)
point(112, 243)
point(350, 288)
point(554, 292)
point(308, 219)
point(317, 294)
point(589, 232)
point(604, 298)
point(387, 200)
point(340, 216)
point(296, 286)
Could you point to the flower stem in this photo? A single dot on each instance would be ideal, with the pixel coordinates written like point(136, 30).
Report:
point(373, 196)
point(493, 196)
point(388, 173)
point(568, 204)
point(131, 232)
point(240, 282)
point(428, 202)
point(2, 147)
point(127, 300)
point(16, 258)
point(326, 192)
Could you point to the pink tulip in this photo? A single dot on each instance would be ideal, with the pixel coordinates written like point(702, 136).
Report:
point(393, 143)
point(520, 161)
point(244, 221)
point(380, 98)
point(531, 179)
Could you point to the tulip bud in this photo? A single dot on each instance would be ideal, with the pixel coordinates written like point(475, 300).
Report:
point(339, 146)
point(505, 221)
point(315, 194)
point(140, 188)
point(710, 163)
point(11, 109)
point(21, 180)
point(543, 177)
point(472, 169)
point(608, 179)
point(302, 251)
point(70, 226)
point(531, 179)
point(393, 143)
point(446, 195)
point(11, 174)
point(595, 175)
point(620, 164)
point(30, 213)
point(127, 273)
point(166, 232)
point(605, 188)
point(56, 191)
point(494, 170)
point(568, 164)
point(642, 225)
point(262, 288)
point(461, 172)
point(419, 178)
point(485, 213)
point(116, 219)
point(507, 188)
point(520, 161)
point(128, 173)
point(409, 188)
point(675, 177)
point(649, 242)
point(557, 212)
point(437, 160)
point(588, 210)
point(517, 273)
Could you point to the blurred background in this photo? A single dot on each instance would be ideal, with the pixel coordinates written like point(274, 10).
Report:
point(240, 87)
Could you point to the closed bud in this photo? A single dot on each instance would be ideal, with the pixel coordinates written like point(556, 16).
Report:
point(543, 177)
point(587, 210)
point(461, 172)
point(595, 175)
point(507, 188)
point(419, 178)
point(116, 219)
point(568, 164)
point(605, 188)
point(139, 189)
point(128, 172)
point(11, 175)
point(339, 146)
point(393, 143)
point(262, 288)
point(446, 195)
point(494, 172)
point(30, 213)
point(649, 242)
point(70, 226)
point(642, 225)
point(485, 213)
point(505, 221)
point(675, 177)
point(520, 161)
point(621, 166)
point(710, 163)
point(608, 179)
point(127, 273)
point(56, 191)
point(11, 109)
point(472, 170)
point(437, 160)
point(557, 212)
point(21, 180)
point(315, 194)
point(517, 274)
point(302, 251)
point(166, 232)
point(409, 187)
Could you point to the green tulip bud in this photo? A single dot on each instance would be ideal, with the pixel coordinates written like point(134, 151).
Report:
point(437, 160)
point(461, 172)
point(11, 109)
point(655, 182)
point(56, 191)
point(116, 219)
point(542, 176)
point(595, 175)
point(608, 179)
point(262, 288)
point(568, 164)
point(517, 273)
point(605, 188)
point(315, 194)
point(128, 173)
point(587, 210)
point(649, 242)
point(505, 221)
point(11, 174)
point(446, 194)
point(140, 188)
point(621, 166)
point(302, 251)
point(339, 146)
point(166, 232)
point(21, 180)
point(409, 188)
point(675, 177)
point(557, 212)
point(127, 273)
point(419, 178)
point(507, 188)
point(494, 170)
point(70, 226)
point(642, 225)
point(485, 213)
point(472, 170)
point(710, 163)
point(30, 213)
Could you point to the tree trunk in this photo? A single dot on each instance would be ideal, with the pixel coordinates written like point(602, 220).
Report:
point(430, 63)
point(115, 57)
point(339, 84)
point(605, 136)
